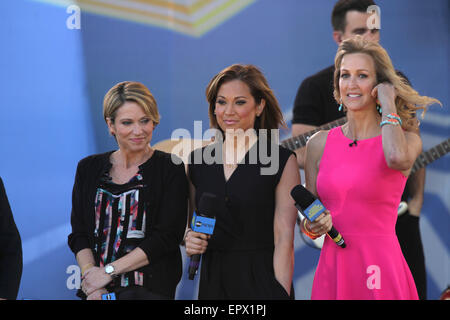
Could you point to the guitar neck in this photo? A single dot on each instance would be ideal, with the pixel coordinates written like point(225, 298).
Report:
point(431, 155)
point(300, 141)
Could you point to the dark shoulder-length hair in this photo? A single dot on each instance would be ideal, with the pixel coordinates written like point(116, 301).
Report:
point(270, 118)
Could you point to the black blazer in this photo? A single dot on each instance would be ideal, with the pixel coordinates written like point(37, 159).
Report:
point(166, 197)
point(11, 263)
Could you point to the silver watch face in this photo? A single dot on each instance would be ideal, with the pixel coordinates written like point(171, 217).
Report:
point(109, 269)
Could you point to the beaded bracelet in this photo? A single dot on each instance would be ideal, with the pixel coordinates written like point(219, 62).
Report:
point(394, 116)
point(390, 121)
point(305, 230)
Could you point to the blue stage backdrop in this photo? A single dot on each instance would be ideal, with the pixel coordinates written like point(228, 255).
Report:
point(59, 58)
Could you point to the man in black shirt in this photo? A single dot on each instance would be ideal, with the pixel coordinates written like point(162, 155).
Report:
point(315, 106)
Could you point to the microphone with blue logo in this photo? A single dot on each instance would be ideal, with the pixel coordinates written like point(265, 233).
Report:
point(311, 207)
point(203, 221)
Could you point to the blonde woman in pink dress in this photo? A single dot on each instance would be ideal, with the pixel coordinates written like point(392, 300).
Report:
point(359, 171)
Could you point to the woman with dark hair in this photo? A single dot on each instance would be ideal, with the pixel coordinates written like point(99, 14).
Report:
point(268, 113)
point(129, 206)
point(359, 171)
point(250, 255)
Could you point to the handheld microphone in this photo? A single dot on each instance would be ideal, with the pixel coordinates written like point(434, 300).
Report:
point(203, 221)
point(109, 296)
point(311, 207)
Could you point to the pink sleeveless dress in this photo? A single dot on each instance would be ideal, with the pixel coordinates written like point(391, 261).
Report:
point(362, 194)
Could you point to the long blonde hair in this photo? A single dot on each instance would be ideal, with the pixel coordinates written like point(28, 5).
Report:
point(408, 100)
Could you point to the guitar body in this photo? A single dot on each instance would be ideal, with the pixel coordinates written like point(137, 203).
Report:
point(402, 207)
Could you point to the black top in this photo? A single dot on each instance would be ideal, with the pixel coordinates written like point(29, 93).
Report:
point(314, 103)
point(245, 203)
point(165, 196)
point(238, 262)
point(10, 251)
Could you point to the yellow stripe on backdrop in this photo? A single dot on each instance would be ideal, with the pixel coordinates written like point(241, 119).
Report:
point(190, 17)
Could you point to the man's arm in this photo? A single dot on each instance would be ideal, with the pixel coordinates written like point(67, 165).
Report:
point(314, 105)
point(416, 186)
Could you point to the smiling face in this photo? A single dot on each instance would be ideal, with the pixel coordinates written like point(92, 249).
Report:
point(132, 127)
point(356, 81)
point(235, 107)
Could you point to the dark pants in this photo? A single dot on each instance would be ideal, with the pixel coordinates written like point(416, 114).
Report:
point(408, 233)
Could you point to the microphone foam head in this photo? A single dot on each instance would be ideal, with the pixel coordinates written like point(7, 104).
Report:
point(302, 196)
point(207, 204)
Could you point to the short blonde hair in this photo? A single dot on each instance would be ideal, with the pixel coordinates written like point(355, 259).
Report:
point(408, 100)
point(130, 91)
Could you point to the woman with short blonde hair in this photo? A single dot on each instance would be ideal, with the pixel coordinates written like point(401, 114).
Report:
point(130, 91)
point(129, 207)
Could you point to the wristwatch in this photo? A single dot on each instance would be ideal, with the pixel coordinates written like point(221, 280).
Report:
point(109, 269)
